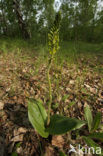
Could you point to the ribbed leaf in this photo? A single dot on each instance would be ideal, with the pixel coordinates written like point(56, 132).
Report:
point(96, 135)
point(37, 116)
point(97, 121)
point(60, 124)
point(91, 143)
point(88, 117)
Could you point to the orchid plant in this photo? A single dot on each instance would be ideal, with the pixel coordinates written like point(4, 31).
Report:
point(42, 121)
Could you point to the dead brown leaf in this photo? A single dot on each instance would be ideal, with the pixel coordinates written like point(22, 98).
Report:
point(58, 141)
point(1, 105)
point(49, 151)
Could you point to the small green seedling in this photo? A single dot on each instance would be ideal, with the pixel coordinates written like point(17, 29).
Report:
point(43, 122)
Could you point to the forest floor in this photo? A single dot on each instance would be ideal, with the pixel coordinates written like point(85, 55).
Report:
point(75, 84)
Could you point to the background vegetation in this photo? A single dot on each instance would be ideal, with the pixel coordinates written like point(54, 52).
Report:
point(81, 20)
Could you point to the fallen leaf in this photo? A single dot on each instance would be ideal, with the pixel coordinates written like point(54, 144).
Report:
point(58, 141)
point(22, 130)
point(49, 151)
point(93, 90)
point(18, 134)
point(72, 82)
point(17, 138)
point(1, 105)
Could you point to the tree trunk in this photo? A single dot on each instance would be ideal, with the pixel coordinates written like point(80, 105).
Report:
point(21, 22)
point(3, 19)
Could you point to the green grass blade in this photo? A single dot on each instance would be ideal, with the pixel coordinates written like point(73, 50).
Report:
point(97, 121)
point(96, 135)
point(92, 144)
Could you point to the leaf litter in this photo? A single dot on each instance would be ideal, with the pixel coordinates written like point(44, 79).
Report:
point(73, 88)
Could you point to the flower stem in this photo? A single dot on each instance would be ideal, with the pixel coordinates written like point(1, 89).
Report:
point(50, 92)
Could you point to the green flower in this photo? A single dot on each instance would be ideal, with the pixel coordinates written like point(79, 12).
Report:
point(53, 35)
